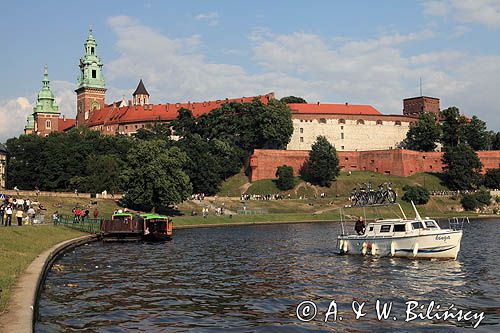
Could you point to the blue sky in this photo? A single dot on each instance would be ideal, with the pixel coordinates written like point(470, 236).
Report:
point(365, 52)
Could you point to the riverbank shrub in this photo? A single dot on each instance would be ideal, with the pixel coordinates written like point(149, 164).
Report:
point(418, 194)
point(476, 200)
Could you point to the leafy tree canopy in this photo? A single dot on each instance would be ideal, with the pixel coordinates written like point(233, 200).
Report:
point(154, 176)
point(492, 179)
point(158, 131)
point(322, 167)
point(286, 180)
point(462, 167)
point(418, 194)
point(452, 126)
point(293, 99)
point(423, 134)
point(476, 134)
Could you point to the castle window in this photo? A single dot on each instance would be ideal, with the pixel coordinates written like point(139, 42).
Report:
point(301, 130)
point(342, 136)
point(301, 139)
point(322, 121)
point(94, 74)
point(342, 147)
point(92, 50)
point(360, 122)
point(48, 124)
point(341, 127)
point(86, 115)
point(379, 122)
point(397, 123)
point(341, 121)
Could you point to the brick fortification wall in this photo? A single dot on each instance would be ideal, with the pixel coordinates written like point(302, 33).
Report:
point(396, 162)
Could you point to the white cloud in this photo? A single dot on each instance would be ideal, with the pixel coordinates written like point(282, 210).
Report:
point(212, 18)
point(13, 114)
point(373, 71)
point(482, 12)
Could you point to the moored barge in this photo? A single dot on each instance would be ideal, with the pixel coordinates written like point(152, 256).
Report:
point(128, 227)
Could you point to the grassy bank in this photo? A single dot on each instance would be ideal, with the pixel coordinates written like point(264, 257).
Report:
point(19, 246)
point(317, 210)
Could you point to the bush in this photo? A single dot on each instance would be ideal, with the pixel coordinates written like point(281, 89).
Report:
point(285, 180)
point(483, 197)
point(492, 179)
point(469, 202)
point(476, 200)
point(418, 194)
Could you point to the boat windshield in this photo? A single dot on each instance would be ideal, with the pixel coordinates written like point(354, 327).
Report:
point(417, 225)
point(430, 224)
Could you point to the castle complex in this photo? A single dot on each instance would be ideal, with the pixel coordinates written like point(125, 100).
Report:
point(350, 128)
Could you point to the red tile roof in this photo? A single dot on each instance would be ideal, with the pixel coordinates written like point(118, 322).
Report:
point(65, 124)
point(333, 109)
point(159, 112)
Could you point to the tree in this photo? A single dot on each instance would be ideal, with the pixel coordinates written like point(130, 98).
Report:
point(23, 164)
point(154, 177)
point(158, 131)
point(495, 145)
point(293, 99)
point(207, 163)
point(285, 180)
point(476, 134)
point(492, 179)
point(462, 167)
point(322, 166)
point(418, 194)
point(452, 127)
point(423, 134)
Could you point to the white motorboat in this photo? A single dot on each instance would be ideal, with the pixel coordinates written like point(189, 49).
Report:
point(412, 238)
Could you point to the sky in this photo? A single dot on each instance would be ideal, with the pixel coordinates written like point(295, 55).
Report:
point(360, 52)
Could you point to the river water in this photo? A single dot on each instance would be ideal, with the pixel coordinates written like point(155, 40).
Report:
point(252, 278)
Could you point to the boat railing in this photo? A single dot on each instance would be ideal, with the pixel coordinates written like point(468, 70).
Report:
point(457, 223)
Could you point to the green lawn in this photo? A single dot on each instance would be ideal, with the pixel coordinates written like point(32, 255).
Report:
point(342, 186)
point(231, 187)
point(19, 246)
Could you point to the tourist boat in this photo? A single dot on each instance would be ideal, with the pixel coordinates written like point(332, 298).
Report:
point(412, 238)
point(157, 227)
point(128, 227)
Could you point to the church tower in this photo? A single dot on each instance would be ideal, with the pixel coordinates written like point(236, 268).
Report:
point(45, 117)
point(91, 88)
point(141, 95)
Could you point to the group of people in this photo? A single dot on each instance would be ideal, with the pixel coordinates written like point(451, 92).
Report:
point(277, 196)
point(198, 196)
point(82, 215)
point(21, 209)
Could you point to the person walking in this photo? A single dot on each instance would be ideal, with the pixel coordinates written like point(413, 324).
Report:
point(96, 213)
point(19, 215)
point(2, 213)
point(8, 213)
point(31, 215)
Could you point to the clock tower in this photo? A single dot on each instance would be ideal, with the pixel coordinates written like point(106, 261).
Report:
point(91, 88)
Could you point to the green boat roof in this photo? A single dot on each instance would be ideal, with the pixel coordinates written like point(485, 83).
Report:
point(122, 215)
point(148, 216)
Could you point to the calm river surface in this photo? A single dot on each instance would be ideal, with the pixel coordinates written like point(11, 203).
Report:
point(251, 279)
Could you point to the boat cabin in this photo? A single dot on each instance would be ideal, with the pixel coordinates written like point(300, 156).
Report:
point(391, 228)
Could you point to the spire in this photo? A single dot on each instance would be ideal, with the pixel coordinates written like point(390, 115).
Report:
point(46, 100)
point(90, 66)
point(141, 90)
point(45, 80)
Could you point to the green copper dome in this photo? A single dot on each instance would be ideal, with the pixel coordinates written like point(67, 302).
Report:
point(90, 66)
point(46, 101)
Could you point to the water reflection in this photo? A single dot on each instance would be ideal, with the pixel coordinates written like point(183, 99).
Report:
point(252, 278)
